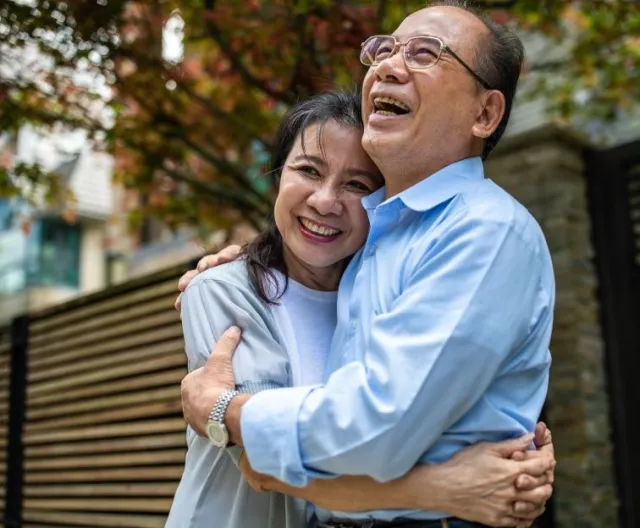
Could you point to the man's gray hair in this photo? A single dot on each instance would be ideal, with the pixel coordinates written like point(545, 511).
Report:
point(498, 61)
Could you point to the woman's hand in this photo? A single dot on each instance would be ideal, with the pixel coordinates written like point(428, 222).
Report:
point(487, 483)
point(228, 254)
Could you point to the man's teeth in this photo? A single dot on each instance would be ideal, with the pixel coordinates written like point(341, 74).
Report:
point(386, 106)
point(318, 229)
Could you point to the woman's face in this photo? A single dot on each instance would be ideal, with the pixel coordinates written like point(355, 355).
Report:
point(318, 209)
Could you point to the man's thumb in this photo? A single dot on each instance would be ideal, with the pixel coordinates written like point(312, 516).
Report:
point(508, 447)
point(225, 347)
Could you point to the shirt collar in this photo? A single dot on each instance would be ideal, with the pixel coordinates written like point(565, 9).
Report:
point(434, 190)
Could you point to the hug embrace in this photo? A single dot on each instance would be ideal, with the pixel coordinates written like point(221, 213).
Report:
point(379, 355)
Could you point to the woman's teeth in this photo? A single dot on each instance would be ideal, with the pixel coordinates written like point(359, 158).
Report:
point(318, 229)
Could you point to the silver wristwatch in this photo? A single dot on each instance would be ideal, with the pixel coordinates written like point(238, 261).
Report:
point(216, 430)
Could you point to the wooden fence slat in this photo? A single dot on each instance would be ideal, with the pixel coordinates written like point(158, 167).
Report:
point(177, 359)
point(103, 520)
point(114, 318)
point(137, 474)
point(109, 305)
point(31, 525)
point(122, 400)
point(173, 456)
point(101, 362)
point(139, 443)
point(108, 333)
point(153, 505)
point(112, 387)
point(164, 489)
point(151, 336)
point(110, 416)
point(147, 427)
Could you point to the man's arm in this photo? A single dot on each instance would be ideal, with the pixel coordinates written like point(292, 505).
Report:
point(466, 308)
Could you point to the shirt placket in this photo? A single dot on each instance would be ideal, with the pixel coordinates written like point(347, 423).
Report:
point(382, 219)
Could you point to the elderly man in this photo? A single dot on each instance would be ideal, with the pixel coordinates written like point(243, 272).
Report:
point(445, 315)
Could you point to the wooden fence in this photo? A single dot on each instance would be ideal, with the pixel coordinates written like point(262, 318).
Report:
point(103, 440)
point(91, 432)
point(5, 376)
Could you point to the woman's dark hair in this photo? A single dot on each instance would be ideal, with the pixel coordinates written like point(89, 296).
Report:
point(265, 252)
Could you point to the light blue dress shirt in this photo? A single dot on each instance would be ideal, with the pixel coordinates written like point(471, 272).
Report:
point(444, 322)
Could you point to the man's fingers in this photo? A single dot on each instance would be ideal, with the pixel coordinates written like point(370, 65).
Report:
point(536, 466)
point(527, 482)
point(227, 254)
point(178, 304)
point(539, 495)
point(186, 279)
point(519, 456)
point(526, 508)
point(507, 522)
point(508, 447)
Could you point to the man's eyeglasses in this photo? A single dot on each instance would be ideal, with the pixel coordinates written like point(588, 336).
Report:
point(420, 53)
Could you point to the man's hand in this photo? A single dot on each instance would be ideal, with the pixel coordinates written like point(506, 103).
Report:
point(201, 388)
point(479, 483)
point(228, 254)
point(544, 449)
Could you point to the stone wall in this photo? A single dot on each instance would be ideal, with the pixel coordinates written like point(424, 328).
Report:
point(545, 172)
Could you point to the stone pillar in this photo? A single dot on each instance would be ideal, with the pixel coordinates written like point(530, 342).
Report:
point(545, 172)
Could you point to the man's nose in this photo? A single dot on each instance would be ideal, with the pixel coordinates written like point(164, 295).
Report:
point(393, 69)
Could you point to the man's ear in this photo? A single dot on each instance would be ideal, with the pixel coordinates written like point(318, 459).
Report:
point(490, 115)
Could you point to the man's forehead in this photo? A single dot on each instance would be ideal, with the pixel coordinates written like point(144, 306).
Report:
point(452, 24)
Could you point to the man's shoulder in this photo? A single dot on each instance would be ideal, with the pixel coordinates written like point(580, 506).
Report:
point(490, 203)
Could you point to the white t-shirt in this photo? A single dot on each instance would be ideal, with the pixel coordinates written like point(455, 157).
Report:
point(313, 317)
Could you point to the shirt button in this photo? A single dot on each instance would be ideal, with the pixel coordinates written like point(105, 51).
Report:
point(354, 323)
point(373, 249)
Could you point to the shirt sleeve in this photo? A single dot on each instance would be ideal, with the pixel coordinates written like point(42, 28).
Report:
point(463, 311)
point(209, 307)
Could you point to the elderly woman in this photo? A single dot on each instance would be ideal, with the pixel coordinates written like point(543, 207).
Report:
point(283, 292)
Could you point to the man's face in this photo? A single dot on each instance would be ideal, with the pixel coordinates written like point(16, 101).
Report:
point(443, 101)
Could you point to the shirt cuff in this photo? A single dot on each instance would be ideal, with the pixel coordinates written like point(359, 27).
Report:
point(269, 425)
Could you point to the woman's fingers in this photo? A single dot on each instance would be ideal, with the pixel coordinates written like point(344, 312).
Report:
point(529, 482)
point(223, 256)
point(186, 279)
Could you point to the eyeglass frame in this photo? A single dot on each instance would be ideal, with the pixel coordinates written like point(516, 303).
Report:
point(443, 47)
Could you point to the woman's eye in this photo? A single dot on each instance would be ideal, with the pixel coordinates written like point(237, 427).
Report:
point(359, 186)
point(308, 170)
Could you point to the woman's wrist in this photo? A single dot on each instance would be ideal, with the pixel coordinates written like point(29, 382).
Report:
point(424, 487)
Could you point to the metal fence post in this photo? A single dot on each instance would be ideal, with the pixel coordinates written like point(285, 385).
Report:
point(17, 396)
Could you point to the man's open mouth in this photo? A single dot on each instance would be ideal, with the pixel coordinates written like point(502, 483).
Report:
point(388, 106)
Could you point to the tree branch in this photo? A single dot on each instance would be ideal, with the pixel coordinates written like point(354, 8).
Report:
point(239, 66)
point(230, 118)
point(219, 192)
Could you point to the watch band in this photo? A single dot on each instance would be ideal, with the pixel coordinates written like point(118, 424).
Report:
point(220, 408)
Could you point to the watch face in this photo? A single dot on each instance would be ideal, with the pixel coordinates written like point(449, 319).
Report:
point(217, 434)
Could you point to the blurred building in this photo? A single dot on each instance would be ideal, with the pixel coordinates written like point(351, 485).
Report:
point(49, 255)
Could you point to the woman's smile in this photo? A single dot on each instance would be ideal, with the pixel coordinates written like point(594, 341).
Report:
point(318, 232)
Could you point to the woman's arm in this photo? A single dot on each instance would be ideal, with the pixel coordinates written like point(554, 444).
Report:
point(477, 484)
